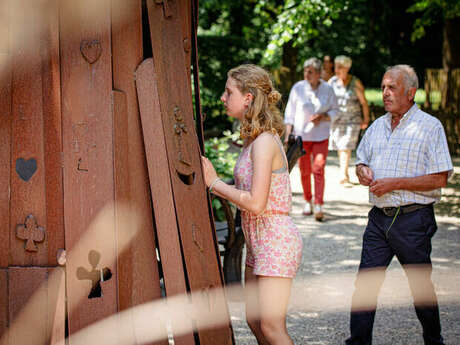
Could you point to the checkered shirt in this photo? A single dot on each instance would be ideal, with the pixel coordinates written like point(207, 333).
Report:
point(416, 147)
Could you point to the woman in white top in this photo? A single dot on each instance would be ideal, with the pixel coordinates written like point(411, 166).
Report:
point(311, 106)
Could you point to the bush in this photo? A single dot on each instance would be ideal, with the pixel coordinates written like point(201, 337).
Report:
point(219, 152)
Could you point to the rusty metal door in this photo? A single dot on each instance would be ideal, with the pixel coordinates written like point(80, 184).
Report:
point(75, 160)
point(175, 106)
point(31, 189)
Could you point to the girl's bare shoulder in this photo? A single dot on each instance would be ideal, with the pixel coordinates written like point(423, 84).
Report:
point(265, 142)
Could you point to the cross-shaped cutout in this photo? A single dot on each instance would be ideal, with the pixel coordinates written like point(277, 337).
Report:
point(31, 233)
point(166, 9)
point(96, 276)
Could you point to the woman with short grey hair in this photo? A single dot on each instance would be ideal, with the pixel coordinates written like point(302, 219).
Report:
point(352, 117)
point(311, 106)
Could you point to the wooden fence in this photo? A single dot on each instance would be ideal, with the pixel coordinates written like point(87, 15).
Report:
point(445, 85)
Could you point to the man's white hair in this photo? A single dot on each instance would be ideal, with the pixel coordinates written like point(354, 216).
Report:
point(343, 60)
point(409, 76)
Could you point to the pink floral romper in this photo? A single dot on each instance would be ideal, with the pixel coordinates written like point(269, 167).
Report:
point(273, 243)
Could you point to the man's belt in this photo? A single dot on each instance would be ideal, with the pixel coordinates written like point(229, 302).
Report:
point(391, 211)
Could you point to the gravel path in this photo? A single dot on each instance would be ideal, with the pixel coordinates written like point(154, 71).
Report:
point(319, 311)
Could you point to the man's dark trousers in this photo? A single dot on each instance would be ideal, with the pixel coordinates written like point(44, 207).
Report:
point(409, 238)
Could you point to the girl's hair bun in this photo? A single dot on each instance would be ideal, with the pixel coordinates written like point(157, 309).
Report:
point(274, 97)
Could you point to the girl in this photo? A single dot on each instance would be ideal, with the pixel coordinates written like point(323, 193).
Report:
point(263, 193)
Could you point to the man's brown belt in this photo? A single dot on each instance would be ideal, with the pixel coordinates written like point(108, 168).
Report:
point(391, 211)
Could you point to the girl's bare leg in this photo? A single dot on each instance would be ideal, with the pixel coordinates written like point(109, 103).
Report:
point(274, 294)
point(252, 306)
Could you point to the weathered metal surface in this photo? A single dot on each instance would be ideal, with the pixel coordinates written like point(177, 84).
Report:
point(4, 303)
point(122, 194)
point(160, 186)
point(56, 305)
point(91, 50)
point(25, 286)
point(78, 157)
point(27, 192)
point(34, 32)
point(4, 26)
point(5, 133)
point(88, 159)
point(37, 305)
point(138, 276)
point(31, 233)
point(197, 238)
point(54, 191)
point(185, 13)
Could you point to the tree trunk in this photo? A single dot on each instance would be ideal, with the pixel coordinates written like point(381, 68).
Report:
point(450, 61)
point(288, 75)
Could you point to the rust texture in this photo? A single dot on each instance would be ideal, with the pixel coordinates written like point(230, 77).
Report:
point(92, 132)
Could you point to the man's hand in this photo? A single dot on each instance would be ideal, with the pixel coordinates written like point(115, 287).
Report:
point(316, 119)
point(365, 175)
point(383, 186)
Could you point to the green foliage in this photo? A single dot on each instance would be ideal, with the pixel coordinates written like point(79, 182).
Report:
point(299, 21)
point(217, 150)
point(217, 56)
point(217, 210)
point(229, 34)
point(432, 11)
point(281, 34)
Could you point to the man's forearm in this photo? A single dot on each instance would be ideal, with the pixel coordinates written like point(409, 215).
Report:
point(419, 183)
point(385, 185)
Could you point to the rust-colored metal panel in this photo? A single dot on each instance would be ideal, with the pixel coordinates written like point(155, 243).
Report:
point(160, 186)
point(197, 238)
point(86, 78)
point(4, 306)
point(56, 305)
point(138, 276)
point(5, 134)
point(185, 13)
point(36, 298)
point(4, 24)
point(27, 296)
point(52, 131)
point(28, 221)
point(122, 194)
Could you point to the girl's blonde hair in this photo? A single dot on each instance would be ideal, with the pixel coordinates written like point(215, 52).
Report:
point(262, 114)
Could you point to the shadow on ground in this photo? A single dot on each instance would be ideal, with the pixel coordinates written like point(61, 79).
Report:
point(450, 203)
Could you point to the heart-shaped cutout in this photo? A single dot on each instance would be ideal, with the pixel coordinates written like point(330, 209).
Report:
point(26, 168)
point(91, 50)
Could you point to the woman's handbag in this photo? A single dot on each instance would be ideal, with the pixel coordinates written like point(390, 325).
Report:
point(294, 150)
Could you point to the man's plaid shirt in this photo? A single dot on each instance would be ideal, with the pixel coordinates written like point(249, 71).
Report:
point(416, 147)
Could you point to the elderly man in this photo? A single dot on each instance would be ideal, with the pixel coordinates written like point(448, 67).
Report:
point(311, 106)
point(404, 159)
